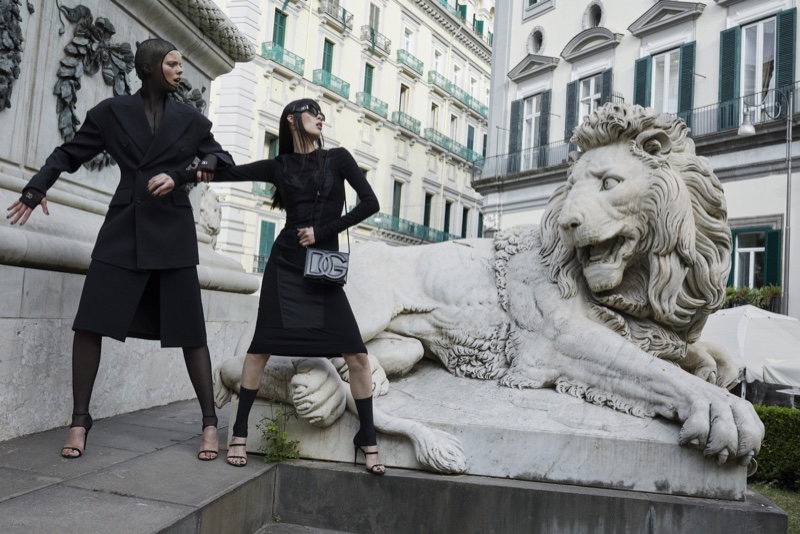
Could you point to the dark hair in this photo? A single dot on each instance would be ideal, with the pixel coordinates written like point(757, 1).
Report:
point(151, 52)
point(285, 139)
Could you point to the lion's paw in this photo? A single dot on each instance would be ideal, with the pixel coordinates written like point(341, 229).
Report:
point(317, 393)
point(725, 427)
point(380, 382)
point(440, 451)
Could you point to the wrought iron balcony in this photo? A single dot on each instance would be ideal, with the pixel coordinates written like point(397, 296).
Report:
point(406, 121)
point(405, 58)
point(451, 145)
point(366, 100)
point(337, 16)
point(408, 228)
point(329, 81)
point(375, 41)
point(280, 55)
point(452, 10)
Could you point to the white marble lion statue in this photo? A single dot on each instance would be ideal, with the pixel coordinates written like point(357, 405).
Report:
point(604, 301)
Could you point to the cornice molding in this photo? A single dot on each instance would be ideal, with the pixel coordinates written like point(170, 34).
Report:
point(590, 42)
point(532, 65)
point(665, 14)
point(456, 27)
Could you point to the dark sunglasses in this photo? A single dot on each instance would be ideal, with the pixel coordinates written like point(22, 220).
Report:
point(308, 108)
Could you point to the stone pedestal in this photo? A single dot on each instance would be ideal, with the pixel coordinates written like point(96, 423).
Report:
point(535, 435)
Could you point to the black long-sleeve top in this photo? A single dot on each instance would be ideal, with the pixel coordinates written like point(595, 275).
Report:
point(298, 180)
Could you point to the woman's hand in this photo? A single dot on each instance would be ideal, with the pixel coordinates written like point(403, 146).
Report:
point(160, 184)
point(206, 168)
point(20, 212)
point(306, 236)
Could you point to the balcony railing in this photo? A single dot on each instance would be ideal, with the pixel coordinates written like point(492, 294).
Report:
point(377, 41)
point(368, 101)
point(440, 81)
point(263, 189)
point(434, 78)
point(727, 115)
point(404, 57)
point(707, 120)
point(406, 121)
point(280, 55)
point(538, 157)
point(328, 80)
point(342, 17)
point(409, 228)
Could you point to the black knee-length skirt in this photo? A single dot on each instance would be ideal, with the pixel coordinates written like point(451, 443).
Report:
point(158, 304)
point(299, 317)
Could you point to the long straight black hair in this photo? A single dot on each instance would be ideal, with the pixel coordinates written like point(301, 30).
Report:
point(285, 139)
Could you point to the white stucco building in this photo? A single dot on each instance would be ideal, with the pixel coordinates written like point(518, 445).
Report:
point(709, 62)
point(404, 85)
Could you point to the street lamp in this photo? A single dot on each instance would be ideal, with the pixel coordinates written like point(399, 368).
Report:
point(747, 129)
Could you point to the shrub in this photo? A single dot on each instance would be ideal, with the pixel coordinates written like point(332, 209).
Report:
point(779, 459)
point(760, 297)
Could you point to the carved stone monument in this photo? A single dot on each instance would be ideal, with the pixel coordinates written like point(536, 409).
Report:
point(564, 352)
point(75, 55)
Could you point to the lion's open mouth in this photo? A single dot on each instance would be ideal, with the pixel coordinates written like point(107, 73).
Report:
point(604, 262)
point(606, 252)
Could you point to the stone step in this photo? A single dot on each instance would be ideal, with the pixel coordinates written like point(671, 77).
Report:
point(286, 528)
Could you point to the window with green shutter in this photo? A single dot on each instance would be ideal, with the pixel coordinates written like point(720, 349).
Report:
point(464, 222)
point(515, 136)
point(470, 137)
point(279, 28)
point(571, 115)
point(327, 57)
point(756, 257)
point(448, 207)
point(729, 60)
point(786, 43)
point(426, 215)
point(544, 129)
point(641, 81)
point(480, 224)
point(368, 71)
point(397, 199)
point(686, 82)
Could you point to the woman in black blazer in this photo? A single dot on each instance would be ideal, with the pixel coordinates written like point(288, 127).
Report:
point(142, 281)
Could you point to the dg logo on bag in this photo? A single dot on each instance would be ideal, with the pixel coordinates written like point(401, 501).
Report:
point(326, 265)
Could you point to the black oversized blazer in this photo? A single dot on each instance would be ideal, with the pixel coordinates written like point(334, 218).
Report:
point(140, 231)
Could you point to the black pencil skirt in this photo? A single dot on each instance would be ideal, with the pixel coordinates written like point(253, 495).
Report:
point(158, 304)
point(298, 317)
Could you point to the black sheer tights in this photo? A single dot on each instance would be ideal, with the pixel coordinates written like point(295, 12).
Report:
point(86, 348)
point(198, 363)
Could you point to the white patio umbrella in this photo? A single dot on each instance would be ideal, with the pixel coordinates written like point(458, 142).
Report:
point(766, 345)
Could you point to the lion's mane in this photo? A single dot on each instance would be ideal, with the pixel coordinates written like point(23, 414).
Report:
point(688, 242)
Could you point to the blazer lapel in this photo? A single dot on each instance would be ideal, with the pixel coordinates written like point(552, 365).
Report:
point(170, 129)
point(131, 117)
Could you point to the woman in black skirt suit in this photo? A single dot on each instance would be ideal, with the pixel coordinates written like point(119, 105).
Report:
point(298, 317)
point(142, 281)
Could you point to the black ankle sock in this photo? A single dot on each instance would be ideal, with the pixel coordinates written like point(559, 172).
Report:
point(246, 399)
point(366, 435)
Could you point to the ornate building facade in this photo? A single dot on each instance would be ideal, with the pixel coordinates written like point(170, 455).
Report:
point(714, 63)
point(404, 85)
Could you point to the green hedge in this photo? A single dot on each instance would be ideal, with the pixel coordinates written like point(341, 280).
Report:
point(760, 297)
point(779, 459)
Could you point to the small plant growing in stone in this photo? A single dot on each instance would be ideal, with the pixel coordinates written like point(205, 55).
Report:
point(277, 445)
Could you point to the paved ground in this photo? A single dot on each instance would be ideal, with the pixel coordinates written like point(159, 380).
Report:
point(140, 474)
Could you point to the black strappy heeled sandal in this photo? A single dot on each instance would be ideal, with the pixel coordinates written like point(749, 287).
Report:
point(371, 470)
point(237, 458)
point(207, 422)
point(87, 425)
